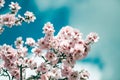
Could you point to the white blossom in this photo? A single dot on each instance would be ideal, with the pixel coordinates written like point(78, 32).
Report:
point(30, 41)
point(14, 7)
point(29, 17)
point(19, 42)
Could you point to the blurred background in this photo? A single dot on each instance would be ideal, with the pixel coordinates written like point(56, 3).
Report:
point(101, 16)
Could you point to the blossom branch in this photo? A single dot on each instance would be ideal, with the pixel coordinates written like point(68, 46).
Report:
point(59, 54)
point(10, 19)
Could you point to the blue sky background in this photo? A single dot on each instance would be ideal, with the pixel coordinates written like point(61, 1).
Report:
point(101, 16)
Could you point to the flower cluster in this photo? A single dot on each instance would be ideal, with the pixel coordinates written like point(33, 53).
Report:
point(9, 55)
point(59, 54)
point(12, 18)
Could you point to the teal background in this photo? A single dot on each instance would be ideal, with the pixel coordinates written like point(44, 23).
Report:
point(101, 16)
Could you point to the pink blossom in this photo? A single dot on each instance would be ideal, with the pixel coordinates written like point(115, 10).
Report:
point(65, 32)
point(80, 41)
point(37, 51)
point(54, 73)
point(54, 43)
point(87, 49)
point(78, 51)
point(64, 46)
point(74, 76)
point(50, 56)
point(46, 42)
point(43, 68)
point(19, 42)
point(66, 71)
point(30, 41)
point(78, 48)
point(9, 65)
point(7, 52)
point(48, 29)
point(84, 75)
point(22, 51)
point(31, 63)
point(19, 62)
point(69, 61)
point(54, 61)
point(15, 73)
point(42, 43)
point(11, 56)
point(76, 34)
point(8, 20)
point(92, 37)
